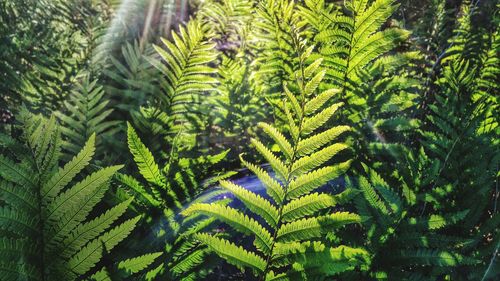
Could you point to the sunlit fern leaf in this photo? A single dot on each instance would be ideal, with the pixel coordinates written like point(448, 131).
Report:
point(295, 215)
point(307, 205)
point(254, 202)
point(229, 21)
point(239, 221)
point(274, 44)
point(136, 264)
point(232, 253)
point(143, 158)
point(316, 255)
point(315, 227)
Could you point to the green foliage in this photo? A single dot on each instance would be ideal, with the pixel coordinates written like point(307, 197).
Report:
point(187, 71)
point(45, 44)
point(286, 245)
point(376, 122)
point(49, 229)
point(166, 190)
point(86, 113)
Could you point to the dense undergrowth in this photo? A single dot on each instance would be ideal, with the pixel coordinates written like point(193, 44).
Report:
point(372, 125)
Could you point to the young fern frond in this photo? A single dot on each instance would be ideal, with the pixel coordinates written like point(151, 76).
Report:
point(53, 211)
point(288, 220)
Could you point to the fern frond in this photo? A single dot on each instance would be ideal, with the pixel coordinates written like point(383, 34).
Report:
point(280, 140)
point(306, 206)
point(237, 220)
point(18, 222)
point(317, 102)
point(14, 173)
point(13, 195)
point(306, 183)
point(47, 219)
point(59, 180)
point(315, 142)
point(314, 227)
point(134, 265)
point(143, 158)
point(293, 214)
point(273, 187)
point(90, 230)
point(254, 202)
point(312, 123)
point(233, 254)
point(307, 163)
point(86, 113)
point(273, 160)
point(76, 194)
point(186, 68)
point(88, 256)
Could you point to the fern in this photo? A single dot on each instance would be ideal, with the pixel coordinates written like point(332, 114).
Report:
point(166, 190)
point(186, 69)
point(229, 23)
point(52, 215)
point(374, 81)
point(275, 61)
point(297, 225)
point(86, 112)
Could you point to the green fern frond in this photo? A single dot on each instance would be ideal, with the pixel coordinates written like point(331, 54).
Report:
point(143, 158)
point(69, 171)
point(134, 265)
point(232, 253)
point(294, 214)
point(90, 230)
point(237, 220)
point(315, 227)
point(50, 218)
point(273, 187)
point(254, 202)
point(86, 113)
point(186, 68)
point(307, 205)
point(306, 183)
point(89, 255)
